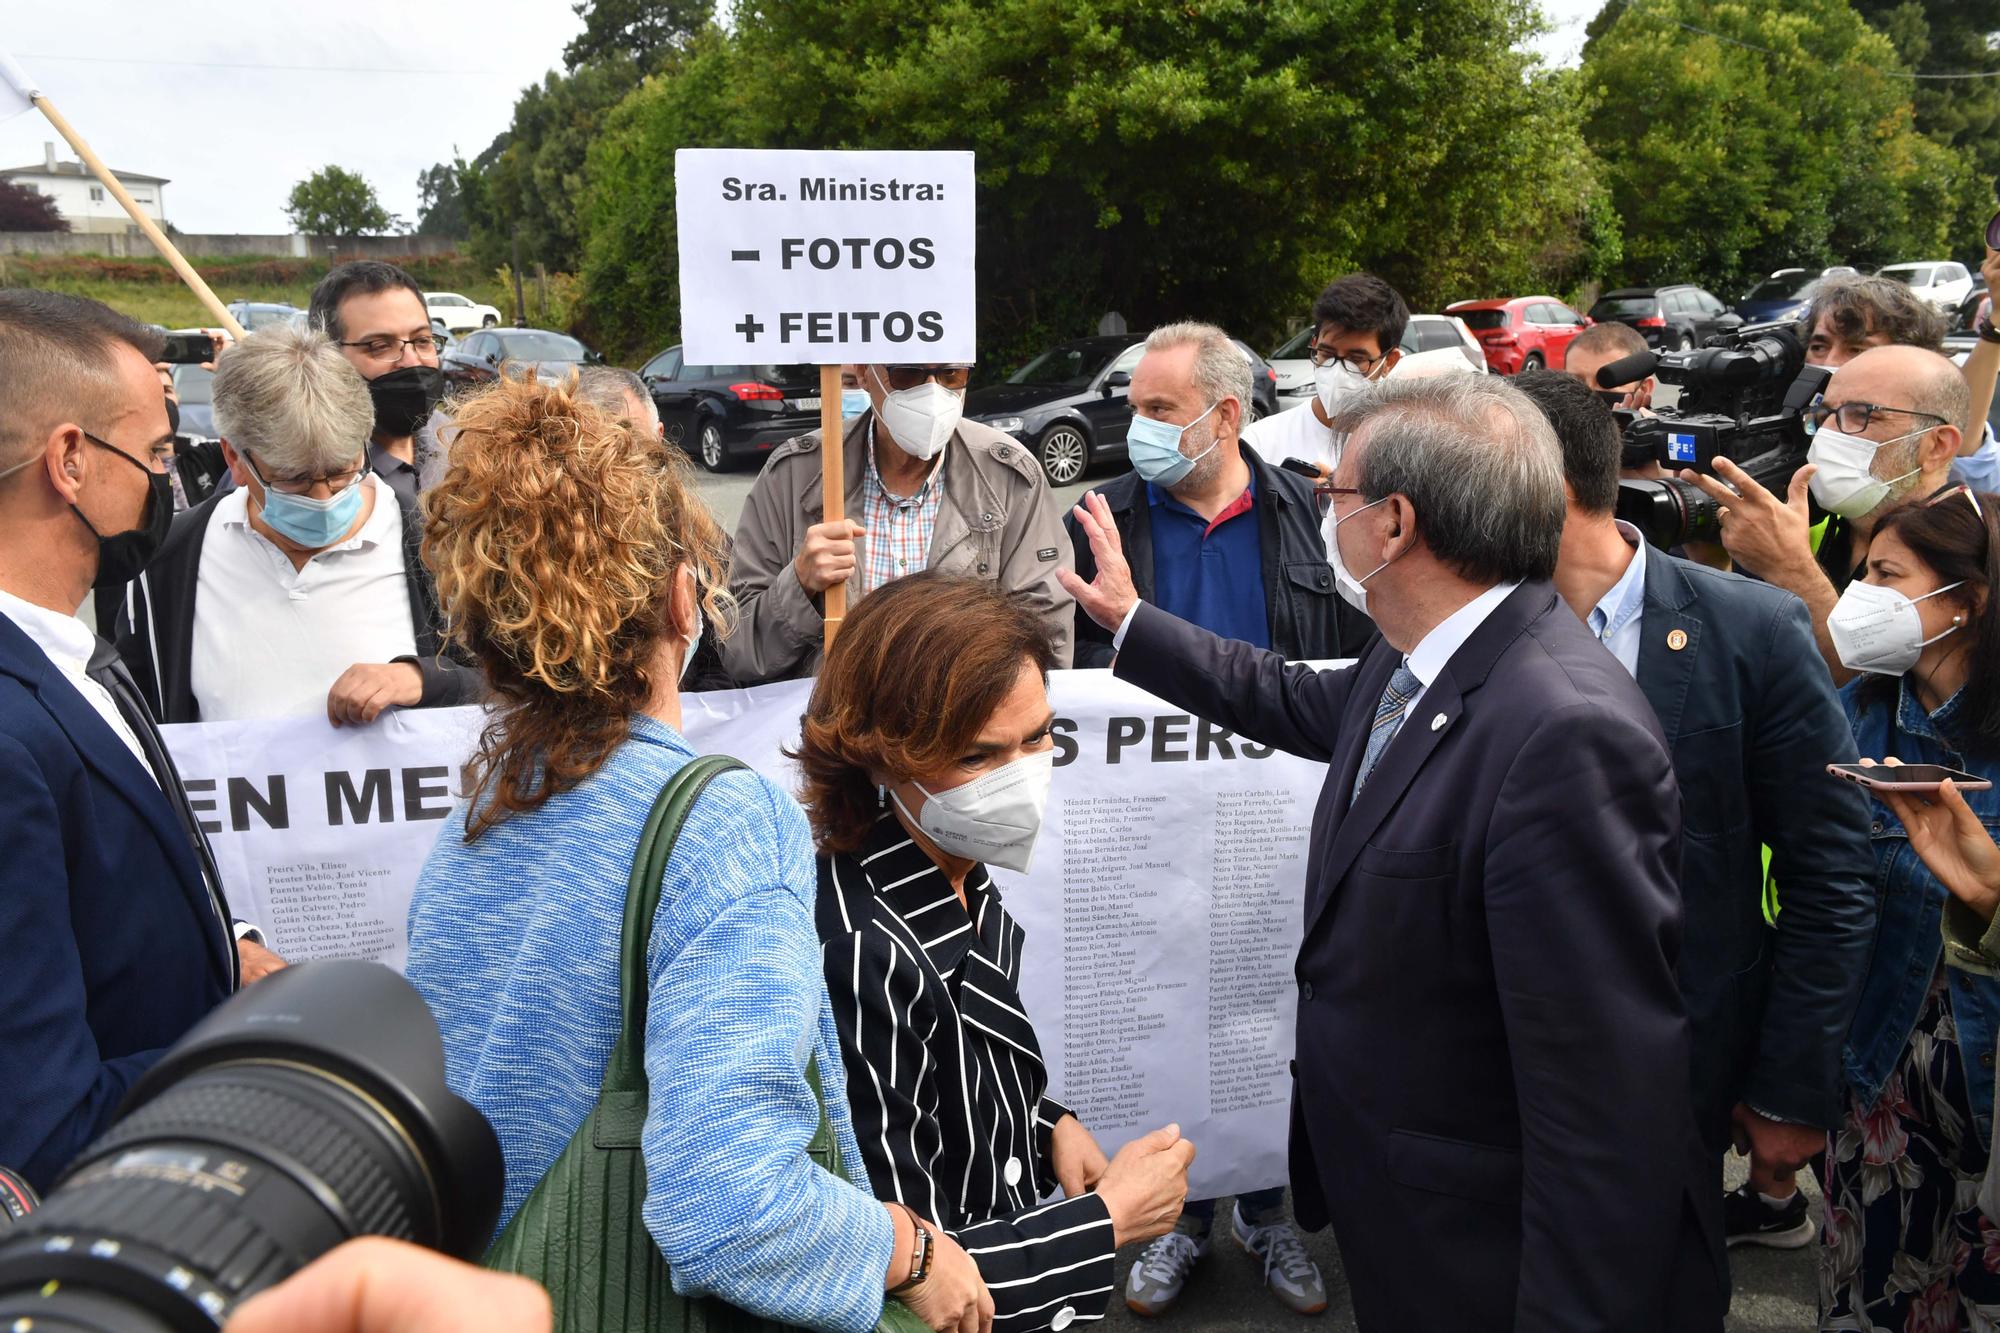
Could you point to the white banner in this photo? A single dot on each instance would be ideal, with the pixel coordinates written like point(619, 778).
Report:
point(17, 91)
point(797, 256)
point(1162, 913)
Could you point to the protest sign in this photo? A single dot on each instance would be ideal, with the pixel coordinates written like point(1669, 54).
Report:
point(1162, 910)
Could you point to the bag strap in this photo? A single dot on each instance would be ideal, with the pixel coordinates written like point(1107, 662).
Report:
point(626, 1070)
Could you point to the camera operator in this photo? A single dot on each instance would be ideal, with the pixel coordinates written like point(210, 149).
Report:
point(1751, 721)
point(109, 900)
point(1597, 347)
point(1889, 428)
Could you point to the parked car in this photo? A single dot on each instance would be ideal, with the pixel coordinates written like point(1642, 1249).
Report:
point(1677, 317)
point(1783, 295)
point(191, 387)
point(254, 315)
point(1263, 382)
point(725, 415)
point(484, 356)
point(1431, 343)
point(1521, 332)
point(442, 333)
point(460, 313)
point(1942, 282)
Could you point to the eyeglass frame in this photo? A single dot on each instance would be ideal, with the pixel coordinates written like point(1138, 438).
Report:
point(394, 352)
point(325, 479)
point(1319, 356)
point(1820, 413)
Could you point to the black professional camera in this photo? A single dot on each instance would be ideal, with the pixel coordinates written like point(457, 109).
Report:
point(308, 1110)
point(1742, 397)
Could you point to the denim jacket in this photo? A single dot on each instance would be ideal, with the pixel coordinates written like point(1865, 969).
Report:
point(1909, 936)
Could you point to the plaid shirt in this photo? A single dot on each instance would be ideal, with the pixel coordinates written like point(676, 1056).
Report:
point(899, 526)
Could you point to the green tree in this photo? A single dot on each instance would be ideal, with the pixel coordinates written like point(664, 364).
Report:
point(1778, 136)
point(334, 201)
point(1214, 158)
point(641, 30)
point(441, 200)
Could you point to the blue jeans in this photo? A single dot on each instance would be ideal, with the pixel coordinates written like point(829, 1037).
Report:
point(1260, 1207)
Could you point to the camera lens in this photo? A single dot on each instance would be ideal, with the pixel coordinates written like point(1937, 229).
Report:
point(309, 1110)
point(1669, 512)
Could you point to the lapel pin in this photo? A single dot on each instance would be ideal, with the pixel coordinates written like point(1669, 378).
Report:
point(1437, 723)
point(1677, 639)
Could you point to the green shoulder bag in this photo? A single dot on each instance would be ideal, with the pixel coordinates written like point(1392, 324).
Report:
point(580, 1232)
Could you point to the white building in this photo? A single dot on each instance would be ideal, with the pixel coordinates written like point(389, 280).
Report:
point(87, 205)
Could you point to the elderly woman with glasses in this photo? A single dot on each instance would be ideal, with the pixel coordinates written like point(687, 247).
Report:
point(299, 588)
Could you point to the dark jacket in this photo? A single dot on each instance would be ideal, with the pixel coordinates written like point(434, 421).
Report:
point(1308, 618)
point(1752, 720)
point(159, 611)
point(1490, 1100)
point(117, 947)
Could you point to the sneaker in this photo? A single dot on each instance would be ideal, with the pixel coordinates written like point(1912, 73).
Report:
point(1161, 1271)
point(1748, 1220)
point(1288, 1270)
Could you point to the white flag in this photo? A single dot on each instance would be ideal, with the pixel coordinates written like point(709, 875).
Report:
point(17, 91)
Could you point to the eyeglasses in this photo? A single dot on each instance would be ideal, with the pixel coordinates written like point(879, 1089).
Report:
point(1359, 362)
point(335, 482)
point(909, 377)
point(1853, 418)
point(386, 348)
point(1952, 493)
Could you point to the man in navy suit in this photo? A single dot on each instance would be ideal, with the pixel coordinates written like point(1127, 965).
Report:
point(119, 939)
point(1751, 718)
point(1490, 1102)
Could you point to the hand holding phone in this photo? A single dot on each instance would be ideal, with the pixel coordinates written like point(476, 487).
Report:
point(1894, 775)
point(1312, 472)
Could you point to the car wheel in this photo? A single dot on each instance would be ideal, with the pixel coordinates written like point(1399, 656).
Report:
point(1687, 341)
point(1532, 361)
point(489, 323)
point(1063, 453)
point(713, 456)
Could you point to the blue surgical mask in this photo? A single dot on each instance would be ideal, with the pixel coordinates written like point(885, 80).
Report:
point(310, 523)
point(853, 402)
point(1155, 449)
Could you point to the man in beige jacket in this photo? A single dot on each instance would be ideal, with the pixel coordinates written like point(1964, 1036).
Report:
point(925, 489)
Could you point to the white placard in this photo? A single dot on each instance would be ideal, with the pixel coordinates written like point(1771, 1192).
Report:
point(1162, 911)
point(805, 257)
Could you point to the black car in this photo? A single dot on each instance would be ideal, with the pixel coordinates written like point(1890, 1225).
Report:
point(481, 357)
point(725, 415)
point(1068, 405)
point(1671, 318)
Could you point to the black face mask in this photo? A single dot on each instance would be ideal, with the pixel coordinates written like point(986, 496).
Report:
point(122, 555)
point(404, 399)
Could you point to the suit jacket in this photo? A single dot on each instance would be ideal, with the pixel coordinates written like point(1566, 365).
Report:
point(155, 627)
point(1490, 1099)
point(1751, 718)
point(117, 948)
point(1306, 617)
point(945, 1076)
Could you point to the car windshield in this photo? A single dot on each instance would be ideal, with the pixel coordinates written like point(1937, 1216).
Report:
point(191, 383)
point(1621, 307)
point(1483, 319)
point(1783, 287)
point(1916, 277)
point(541, 347)
point(1294, 348)
point(1072, 365)
point(263, 316)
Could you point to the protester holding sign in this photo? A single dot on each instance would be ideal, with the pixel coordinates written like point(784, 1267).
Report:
point(1492, 1094)
point(927, 752)
point(516, 925)
point(930, 490)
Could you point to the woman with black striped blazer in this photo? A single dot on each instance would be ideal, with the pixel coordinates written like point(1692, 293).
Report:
point(927, 751)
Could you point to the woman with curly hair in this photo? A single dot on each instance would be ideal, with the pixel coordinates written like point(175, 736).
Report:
point(927, 750)
point(571, 558)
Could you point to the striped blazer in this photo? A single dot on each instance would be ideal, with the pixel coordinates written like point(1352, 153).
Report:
point(946, 1081)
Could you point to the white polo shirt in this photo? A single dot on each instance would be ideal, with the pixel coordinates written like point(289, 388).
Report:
point(270, 640)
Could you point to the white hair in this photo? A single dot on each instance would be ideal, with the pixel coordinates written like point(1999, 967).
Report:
point(287, 397)
point(1220, 368)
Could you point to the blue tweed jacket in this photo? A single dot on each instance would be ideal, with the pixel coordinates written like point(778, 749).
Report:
point(514, 943)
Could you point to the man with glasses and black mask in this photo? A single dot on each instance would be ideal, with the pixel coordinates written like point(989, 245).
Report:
point(1886, 433)
point(118, 931)
point(301, 589)
point(925, 489)
point(375, 313)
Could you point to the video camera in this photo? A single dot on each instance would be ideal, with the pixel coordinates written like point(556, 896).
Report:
point(1743, 396)
point(308, 1110)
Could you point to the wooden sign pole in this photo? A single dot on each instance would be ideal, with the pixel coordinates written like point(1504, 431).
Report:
point(145, 223)
point(833, 484)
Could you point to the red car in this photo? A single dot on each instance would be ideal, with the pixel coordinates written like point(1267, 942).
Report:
point(1524, 333)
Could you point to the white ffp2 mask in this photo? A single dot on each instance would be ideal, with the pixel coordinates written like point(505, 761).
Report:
point(1878, 630)
point(920, 420)
point(993, 819)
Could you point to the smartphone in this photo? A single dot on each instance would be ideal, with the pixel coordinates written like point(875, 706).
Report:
point(189, 349)
point(1300, 466)
point(1906, 777)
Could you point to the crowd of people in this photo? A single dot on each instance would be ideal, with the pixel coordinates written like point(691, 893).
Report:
point(1584, 911)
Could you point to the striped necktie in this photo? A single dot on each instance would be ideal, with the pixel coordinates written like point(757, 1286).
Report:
point(1402, 687)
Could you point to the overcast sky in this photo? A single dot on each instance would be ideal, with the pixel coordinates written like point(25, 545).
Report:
point(236, 100)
